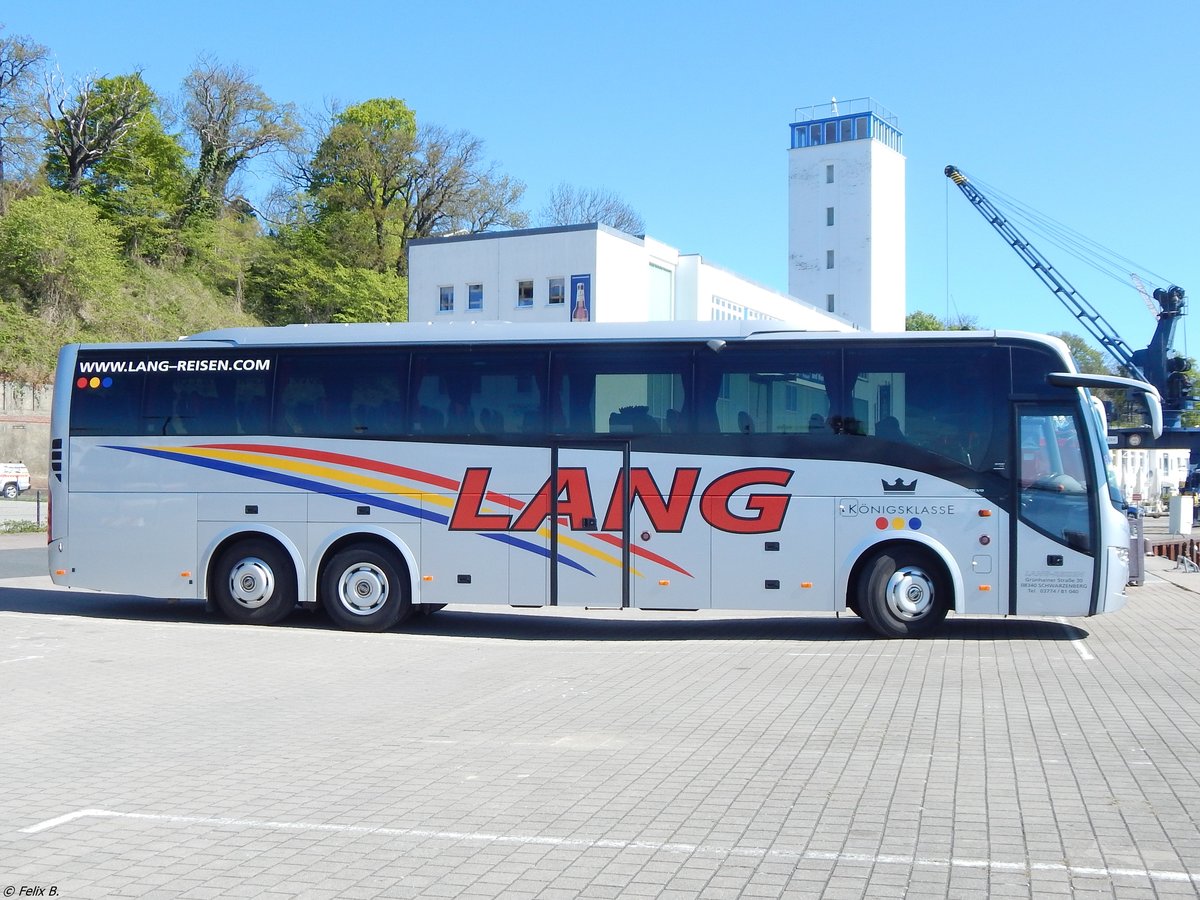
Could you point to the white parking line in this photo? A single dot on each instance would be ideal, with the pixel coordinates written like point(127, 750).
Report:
point(652, 846)
point(19, 659)
point(1078, 644)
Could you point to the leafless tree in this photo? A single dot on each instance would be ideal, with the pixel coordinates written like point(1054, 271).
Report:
point(569, 205)
point(231, 120)
point(450, 188)
point(20, 60)
point(85, 123)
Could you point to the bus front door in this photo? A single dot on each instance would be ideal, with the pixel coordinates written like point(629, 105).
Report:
point(589, 532)
point(1055, 530)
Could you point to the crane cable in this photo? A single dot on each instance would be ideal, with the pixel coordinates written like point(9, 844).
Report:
point(1088, 251)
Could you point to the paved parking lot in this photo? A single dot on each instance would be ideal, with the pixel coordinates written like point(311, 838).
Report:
point(151, 750)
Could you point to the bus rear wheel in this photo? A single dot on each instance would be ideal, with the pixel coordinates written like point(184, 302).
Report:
point(903, 592)
point(254, 583)
point(362, 590)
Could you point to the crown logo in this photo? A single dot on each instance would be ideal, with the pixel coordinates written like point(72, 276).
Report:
point(899, 487)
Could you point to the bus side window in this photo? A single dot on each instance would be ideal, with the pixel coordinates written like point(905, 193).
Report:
point(622, 390)
point(301, 405)
point(467, 392)
point(766, 391)
point(904, 397)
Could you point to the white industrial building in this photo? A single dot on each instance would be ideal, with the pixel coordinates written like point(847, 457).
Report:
point(1150, 478)
point(846, 251)
point(586, 273)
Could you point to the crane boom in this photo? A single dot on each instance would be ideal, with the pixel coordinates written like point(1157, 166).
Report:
point(1087, 314)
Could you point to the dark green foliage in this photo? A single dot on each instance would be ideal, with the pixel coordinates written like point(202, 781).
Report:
point(130, 230)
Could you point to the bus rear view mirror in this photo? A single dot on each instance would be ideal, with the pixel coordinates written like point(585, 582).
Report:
point(1149, 392)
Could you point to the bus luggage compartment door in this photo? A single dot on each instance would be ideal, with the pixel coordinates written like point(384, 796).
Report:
point(589, 563)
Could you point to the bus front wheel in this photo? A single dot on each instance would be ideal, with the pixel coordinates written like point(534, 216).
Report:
point(254, 583)
point(362, 590)
point(903, 592)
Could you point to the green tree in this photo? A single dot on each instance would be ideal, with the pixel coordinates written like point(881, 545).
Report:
point(923, 321)
point(59, 255)
point(231, 120)
point(1087, 358)
point(20, 61)
point(140, 186)
point(374, 167)
point(360, 172)
point(220, 251)
point(294, 278)
point(85, 129)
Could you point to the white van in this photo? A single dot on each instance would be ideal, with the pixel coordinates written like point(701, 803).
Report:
point(14, 479)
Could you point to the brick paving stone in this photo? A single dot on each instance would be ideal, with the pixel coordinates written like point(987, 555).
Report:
point(500, 753)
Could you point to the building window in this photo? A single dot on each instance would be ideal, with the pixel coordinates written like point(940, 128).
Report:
point(829, 215)
point(524, 293)
point(661, 294)
point(558, 291)
point(829, 174)
point(474, 296)
point(829, 306)
point(829, 259)
point(446, 298)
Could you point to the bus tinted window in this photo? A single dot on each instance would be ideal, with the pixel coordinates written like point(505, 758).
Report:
point(341, 394)
point(171, 393)
point(766, 390)
point(623, 390)
point(1030, 366)
point(105, 401)
point(946, 400)
point(464, 392)
point(206, 403)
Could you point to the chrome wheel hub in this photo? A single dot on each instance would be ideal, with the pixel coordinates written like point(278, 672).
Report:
point(909, 593)
point(251, 583)
point(363, 589)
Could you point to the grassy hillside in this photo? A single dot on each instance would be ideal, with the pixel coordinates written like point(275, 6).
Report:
point(150, 304)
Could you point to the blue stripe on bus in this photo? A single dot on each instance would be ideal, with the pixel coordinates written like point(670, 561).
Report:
point(321, 488)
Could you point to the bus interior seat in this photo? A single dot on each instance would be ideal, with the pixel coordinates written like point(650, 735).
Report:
point(888, 428)
point(745, 423)
point(633, 420)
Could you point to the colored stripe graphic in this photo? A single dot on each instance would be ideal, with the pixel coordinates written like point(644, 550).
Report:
point(193, 456)
point(429, 478)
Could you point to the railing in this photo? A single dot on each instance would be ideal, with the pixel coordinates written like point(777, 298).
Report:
point(835, 108)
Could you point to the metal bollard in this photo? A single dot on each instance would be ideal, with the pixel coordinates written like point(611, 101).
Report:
point(1137, 551)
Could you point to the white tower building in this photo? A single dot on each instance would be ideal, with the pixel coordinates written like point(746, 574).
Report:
point(846, 212)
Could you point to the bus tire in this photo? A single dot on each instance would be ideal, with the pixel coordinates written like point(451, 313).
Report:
point(254, 582)
point(903, 592)
point(362, 589)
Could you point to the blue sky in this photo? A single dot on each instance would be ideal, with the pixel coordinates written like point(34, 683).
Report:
point(1086, 112)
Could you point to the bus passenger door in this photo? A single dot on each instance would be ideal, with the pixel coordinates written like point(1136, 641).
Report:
point(589, 538)
point(1055, 529)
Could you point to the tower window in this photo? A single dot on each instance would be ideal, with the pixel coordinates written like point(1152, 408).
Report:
point(829, 174)
point(829, 215)
point(829, 306)
point(829, 259)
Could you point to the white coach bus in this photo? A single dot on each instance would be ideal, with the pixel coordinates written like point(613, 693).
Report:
point(380, 470)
